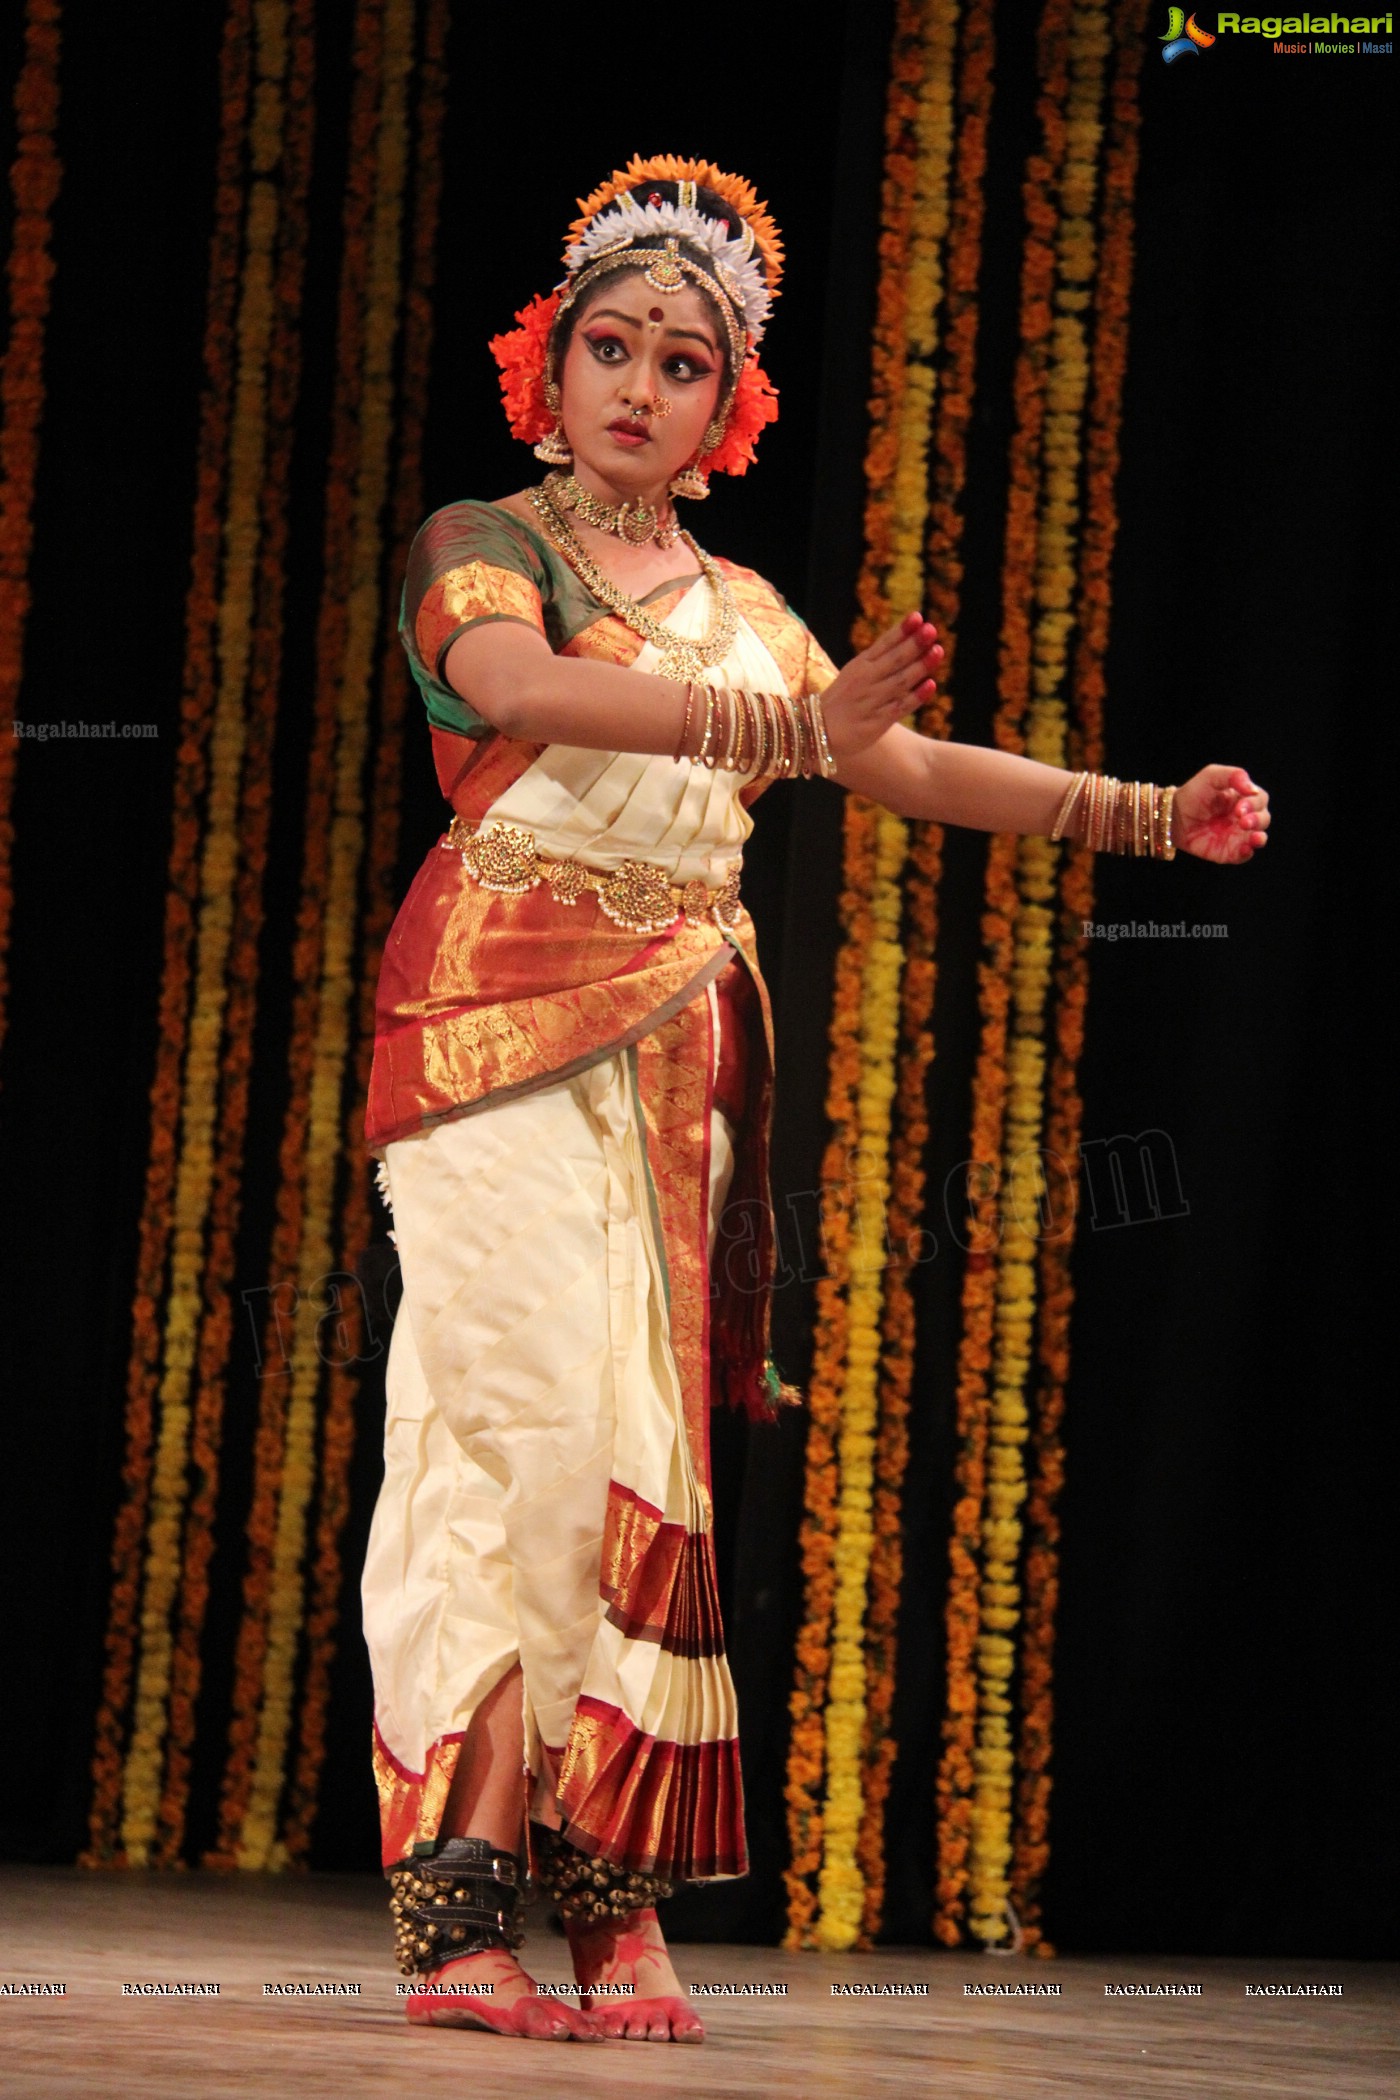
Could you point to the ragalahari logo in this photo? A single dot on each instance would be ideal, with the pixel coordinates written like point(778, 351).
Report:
point(1183, 35)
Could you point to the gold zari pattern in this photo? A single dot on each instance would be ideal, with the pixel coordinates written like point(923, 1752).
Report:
point(636, 894)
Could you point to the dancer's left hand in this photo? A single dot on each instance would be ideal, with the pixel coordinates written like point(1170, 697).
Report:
point(1221, 815)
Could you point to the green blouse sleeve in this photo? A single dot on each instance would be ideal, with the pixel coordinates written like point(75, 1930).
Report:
point(470, 563)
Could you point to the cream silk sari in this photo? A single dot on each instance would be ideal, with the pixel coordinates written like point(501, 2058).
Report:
point(545, 1497)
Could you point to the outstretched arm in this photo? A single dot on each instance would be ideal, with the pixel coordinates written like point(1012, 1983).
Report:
point(1220, 814)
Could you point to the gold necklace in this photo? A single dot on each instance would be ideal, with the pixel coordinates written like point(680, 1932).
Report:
point(636, 523)
point(680, 657)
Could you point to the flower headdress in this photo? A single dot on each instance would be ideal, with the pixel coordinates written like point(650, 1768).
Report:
point(620, 226)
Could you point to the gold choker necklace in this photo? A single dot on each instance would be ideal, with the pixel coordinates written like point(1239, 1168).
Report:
point(636, 523)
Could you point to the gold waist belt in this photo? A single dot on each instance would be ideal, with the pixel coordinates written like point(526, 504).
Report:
point(635, 894)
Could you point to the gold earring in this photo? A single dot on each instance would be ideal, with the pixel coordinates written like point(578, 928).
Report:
point(554, 449)
point(713, 438)
point(692, 483)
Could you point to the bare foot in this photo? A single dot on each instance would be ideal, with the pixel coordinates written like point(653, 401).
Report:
point(491, 1990)
point(631, 1950)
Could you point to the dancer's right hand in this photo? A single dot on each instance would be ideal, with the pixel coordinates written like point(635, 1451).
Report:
point(890, 679)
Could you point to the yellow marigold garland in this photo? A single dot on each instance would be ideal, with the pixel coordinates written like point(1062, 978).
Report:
point(1076, 890)
point(838, 1532)
point(269, 1440)
point(190, 779)
point(338, 1430)
point(923, 871)
point(35, 175)
point(264, 688)
point(1074, 145)
point(256, 1812)
point(186, 1093)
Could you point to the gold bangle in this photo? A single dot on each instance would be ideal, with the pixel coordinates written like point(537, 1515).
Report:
point(1168, 842)
point(685, 721)
point(765, 740)
point(707, 756)
point(828, 762)
point(803, 729)
point(1068, 800)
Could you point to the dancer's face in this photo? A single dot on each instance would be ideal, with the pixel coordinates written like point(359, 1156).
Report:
point(658, 353)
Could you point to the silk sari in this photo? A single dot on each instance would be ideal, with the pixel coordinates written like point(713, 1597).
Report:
point(573, 1121)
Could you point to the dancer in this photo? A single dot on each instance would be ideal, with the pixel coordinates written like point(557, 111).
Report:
point(571, 1097)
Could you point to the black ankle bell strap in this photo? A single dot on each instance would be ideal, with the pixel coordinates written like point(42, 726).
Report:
point(465, 1899)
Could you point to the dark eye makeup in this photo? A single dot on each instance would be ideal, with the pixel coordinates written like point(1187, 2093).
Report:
point(682, 367)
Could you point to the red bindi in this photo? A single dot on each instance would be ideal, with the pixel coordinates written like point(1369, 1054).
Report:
point(656, 314)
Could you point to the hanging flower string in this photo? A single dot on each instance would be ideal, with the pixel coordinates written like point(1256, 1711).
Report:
point(338, 1429)
point(313, 1135)
point(961, 243)
point(1112, 282)
point(973, 1756)
point(35, 175)
point(264, 688)
point(831, 1736)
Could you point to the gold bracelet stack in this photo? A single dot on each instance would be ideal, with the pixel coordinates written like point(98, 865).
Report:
point(765, 735)
point(1118, 816)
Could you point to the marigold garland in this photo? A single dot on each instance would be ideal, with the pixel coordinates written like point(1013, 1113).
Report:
point(250, 1811)
point(838, 1536)
point(35, 175)
point(975, 1832)
point(269, 1437)
point(264, 689)
point(358, 1212)
point(191, 772)
point(1076, 890)
point(218, 864)
point(923, 873)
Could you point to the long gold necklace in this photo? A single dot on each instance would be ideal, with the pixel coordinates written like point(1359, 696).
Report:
point(680, 657)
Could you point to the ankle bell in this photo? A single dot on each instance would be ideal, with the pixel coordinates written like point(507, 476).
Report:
point(464, 1899)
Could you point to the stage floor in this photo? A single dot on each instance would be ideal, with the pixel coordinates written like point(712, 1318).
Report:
point(96, 1933)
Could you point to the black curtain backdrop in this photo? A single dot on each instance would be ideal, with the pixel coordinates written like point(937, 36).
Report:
point(1223, 1745)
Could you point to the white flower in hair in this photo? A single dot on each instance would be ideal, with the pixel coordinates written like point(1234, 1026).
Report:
point(628, 219)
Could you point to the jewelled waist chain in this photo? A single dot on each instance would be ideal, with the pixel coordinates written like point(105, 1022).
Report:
point(636, 894)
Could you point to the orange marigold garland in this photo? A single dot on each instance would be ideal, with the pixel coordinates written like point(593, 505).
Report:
point(191, 772)
point(260, 1838)
point(34, 182)
point(343, 1384)
point(219, 857)
point(264, 680)
point(1076, 891)
point(279, 1346)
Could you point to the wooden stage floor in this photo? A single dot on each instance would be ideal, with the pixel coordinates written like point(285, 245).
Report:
point(97, 1932)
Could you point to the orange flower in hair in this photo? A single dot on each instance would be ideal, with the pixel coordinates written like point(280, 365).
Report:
point(522, 354)
point(755, 404)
